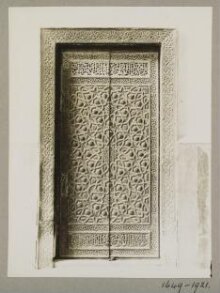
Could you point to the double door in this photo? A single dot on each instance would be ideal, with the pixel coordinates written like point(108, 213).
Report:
point(107, 153)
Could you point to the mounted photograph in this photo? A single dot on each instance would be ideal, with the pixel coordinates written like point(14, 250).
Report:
point(110, 142)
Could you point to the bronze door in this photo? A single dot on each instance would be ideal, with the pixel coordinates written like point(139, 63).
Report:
point(107, 153)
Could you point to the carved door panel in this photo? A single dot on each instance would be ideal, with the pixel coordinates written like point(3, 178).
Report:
point(84, 155)
point(107, 154)
point(134, 154)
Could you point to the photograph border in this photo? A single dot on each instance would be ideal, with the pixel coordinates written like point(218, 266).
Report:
point(20, 285)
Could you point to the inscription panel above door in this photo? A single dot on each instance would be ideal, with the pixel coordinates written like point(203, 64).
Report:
point(108, 153)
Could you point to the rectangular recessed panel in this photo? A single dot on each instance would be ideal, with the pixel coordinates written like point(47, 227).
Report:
point(133, 201)
point(84, 154)
point(108, 154)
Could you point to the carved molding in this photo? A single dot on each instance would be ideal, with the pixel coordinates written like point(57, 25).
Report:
point(49, 38)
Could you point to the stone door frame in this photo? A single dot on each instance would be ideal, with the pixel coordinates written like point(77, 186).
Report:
point(166, 39)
